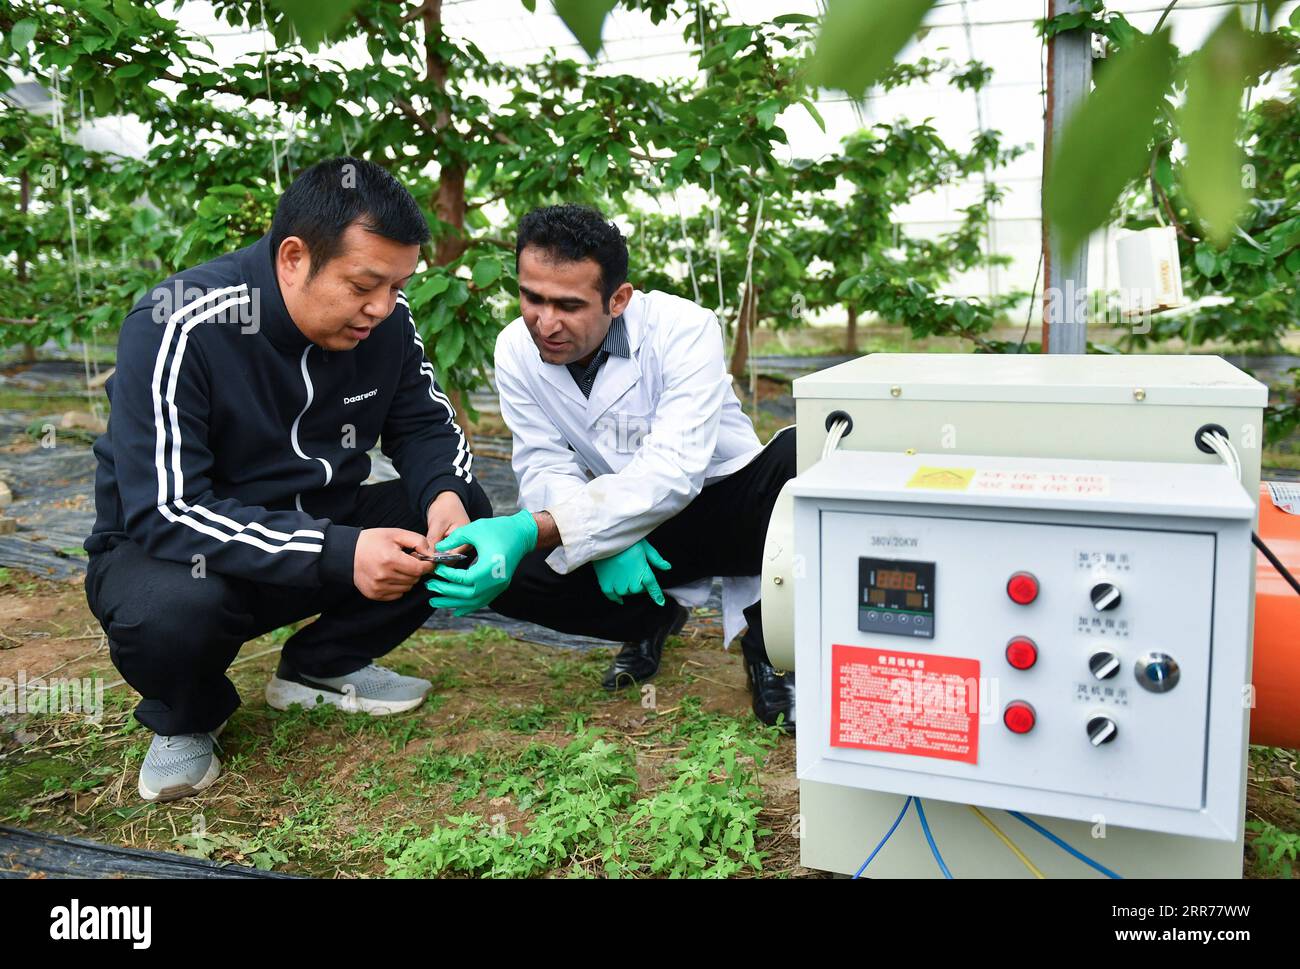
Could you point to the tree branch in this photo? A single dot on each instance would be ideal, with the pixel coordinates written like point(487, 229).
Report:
point(408, 109)
point(488, 201)
point(415, 14)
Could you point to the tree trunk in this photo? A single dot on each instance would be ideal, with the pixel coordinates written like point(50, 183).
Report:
point(744, 322)
point(851, 338)
point(24, 199)
point(449, 198)
point(449, 204)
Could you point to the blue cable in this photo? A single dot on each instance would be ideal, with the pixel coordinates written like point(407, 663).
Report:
point(1057, 841)
point(897, 820)
point(934, 848)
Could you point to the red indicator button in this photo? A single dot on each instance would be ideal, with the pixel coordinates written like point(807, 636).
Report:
point(1022, 588)
point(1022, 653)
point(1019, 717)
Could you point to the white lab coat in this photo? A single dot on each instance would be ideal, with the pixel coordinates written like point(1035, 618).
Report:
point(659, 426)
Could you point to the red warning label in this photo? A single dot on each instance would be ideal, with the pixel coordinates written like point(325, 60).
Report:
point(905, 703)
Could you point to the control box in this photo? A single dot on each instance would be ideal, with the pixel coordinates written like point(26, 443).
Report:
point(1060, 637)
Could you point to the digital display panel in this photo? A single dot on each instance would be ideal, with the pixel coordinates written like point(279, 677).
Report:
point(896, 597)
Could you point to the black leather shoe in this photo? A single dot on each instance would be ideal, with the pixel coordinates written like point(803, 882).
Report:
point(772, 693)
point(639, 661)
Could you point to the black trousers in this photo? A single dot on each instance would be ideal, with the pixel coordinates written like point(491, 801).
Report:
point(173, 635)
point(720, 533)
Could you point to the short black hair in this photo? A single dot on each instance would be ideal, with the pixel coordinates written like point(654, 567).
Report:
point(331, 195)
point(574, 233)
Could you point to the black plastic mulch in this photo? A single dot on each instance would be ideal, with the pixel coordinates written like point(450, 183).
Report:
point(27, 854)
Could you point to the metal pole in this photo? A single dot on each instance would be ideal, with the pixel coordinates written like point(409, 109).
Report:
point(1065, 282)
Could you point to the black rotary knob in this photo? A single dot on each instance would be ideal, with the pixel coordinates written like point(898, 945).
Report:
point(1104, 664)
point(1105, 595)
point(1102, 730)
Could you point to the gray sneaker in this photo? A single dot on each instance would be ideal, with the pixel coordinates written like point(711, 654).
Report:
point(179, 766)
point(371, 689)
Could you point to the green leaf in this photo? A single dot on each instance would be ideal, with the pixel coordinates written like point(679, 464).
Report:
point(458, 293)
point(744, 153)
point(314, 19)
point(21, 36)
point(486, 272)
point(586, 18)
point(710, 159)
point(429, 288)
point(1209, 124)
point(860, 39)
point(100, 13)
point(812, 110)
point(1206, 261)
point(1106, 142)
point(319, 95)
point(682, 159)
point(448, 348)
point(767, 112)
point(104, 94)
point(439, 320)
point(530, 5)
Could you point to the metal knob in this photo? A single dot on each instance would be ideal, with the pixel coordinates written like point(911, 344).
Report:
point(1157, 672)
point(1105, 596)
point(1104, 664)
point(1102, 730)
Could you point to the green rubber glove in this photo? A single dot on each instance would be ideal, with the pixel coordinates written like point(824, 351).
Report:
point(630, 572)
point(501, 544)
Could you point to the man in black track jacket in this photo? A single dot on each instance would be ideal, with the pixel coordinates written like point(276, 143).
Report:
point(228, 492)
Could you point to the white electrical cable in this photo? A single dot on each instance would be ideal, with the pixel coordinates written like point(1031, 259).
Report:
point(833, 437)
point(1236, 458)
point(1224, 449)
point(1229, 453)
point(1214, 443)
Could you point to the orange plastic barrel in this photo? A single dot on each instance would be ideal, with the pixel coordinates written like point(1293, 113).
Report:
point(1275, 721)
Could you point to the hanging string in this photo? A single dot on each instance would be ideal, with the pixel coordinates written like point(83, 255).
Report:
point(88, 342)
point(67, 189)
point(717, 251)
point(291, 132)
point(750, 300)
point(717, 223)
point(90, 251)
point(686, 241)
point(266, 73)
point(990, 234)
point(291, 125)
point(60, 124)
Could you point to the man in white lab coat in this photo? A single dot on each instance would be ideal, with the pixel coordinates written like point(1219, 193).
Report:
point(637, 467)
